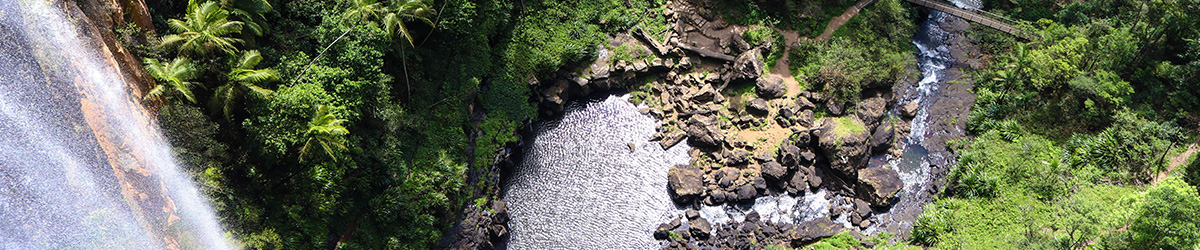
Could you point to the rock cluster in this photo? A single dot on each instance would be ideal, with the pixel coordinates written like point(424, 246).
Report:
point(694, 232)
point(482, 228)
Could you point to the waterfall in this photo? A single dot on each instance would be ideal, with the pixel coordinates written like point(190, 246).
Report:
point(82, 164)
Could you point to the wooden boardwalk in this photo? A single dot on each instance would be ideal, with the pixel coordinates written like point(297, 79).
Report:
point(973, 16)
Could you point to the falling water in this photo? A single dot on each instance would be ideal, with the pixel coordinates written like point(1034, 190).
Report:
point(593, 180)
point(83, 164)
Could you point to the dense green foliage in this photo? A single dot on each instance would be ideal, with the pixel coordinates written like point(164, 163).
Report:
point(1068, 127)
point(863, 53)
point(770, 39)
point(351, 128)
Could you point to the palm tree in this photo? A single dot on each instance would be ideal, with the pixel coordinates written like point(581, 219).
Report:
point(207, 27)
point(393, 20)
point(407, 10)
point(324, 129)
point(364, 11)
point(173, 77)
point(243, 78)
point(249, 12)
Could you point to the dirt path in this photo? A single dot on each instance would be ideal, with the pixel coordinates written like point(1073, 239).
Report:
point(838, 21)
point(1176, 161)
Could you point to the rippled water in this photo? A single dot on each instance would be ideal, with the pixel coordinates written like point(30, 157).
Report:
point(581, 186)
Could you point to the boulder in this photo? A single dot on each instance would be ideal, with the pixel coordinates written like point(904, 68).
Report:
point(501, 215)
point(704, 131)
point(774, 173)
point(669, 139)
point(663, 231)
point(871, 110)
point(881, 139)
point(746, 193)
point(691, 214)
point(836, 108)
point(789, 155)
point(498, 232)
point(803, 103)
point(878, 185)
point(759, 183)
point(726, 176)
point(705, 93)
point(736, 156)
point(845, 145)
point(798, 183)
point(700, 228)
point(747, 67)
point(805, 118)
point(770, 87)
point(910, 109)
point(813, 230)
point(758, 107)
point(640, 66)
point(685, 183)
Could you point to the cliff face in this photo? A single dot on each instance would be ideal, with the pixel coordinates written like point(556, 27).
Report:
point(101, 18)
point(140, 179)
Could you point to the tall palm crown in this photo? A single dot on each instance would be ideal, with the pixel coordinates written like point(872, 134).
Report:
point(407, 10)
point(326, 130)
point(242, 78)
point(365, 11)
point(207, 28)
point(249, 12)
point(173, 77)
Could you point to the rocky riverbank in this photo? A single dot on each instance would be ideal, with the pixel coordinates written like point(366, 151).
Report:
point(753, 133)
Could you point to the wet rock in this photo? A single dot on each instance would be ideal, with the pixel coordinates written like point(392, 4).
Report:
point(807, 157)
point(759, 183)
point(789, 155)
point(718, 197)
point(871, 111)
point(746, 193)
point(845, 147)
point(814, 180)
point(747, 67)
point(774, 173)
point(700, 228)
point(881, 139)
point(910, 109)
point(814, 230)
point(770, 87)
point(500, 215)
point(758, 107)
point(703, 131)
point(685, 183)
point(691, 214)
point(798, 183)
point(862, 208)
point(663, 231)
point(669, 139)
point(878, 185)
point(498, 232)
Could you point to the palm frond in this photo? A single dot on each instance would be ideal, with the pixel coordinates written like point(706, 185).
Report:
point(248, 60)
